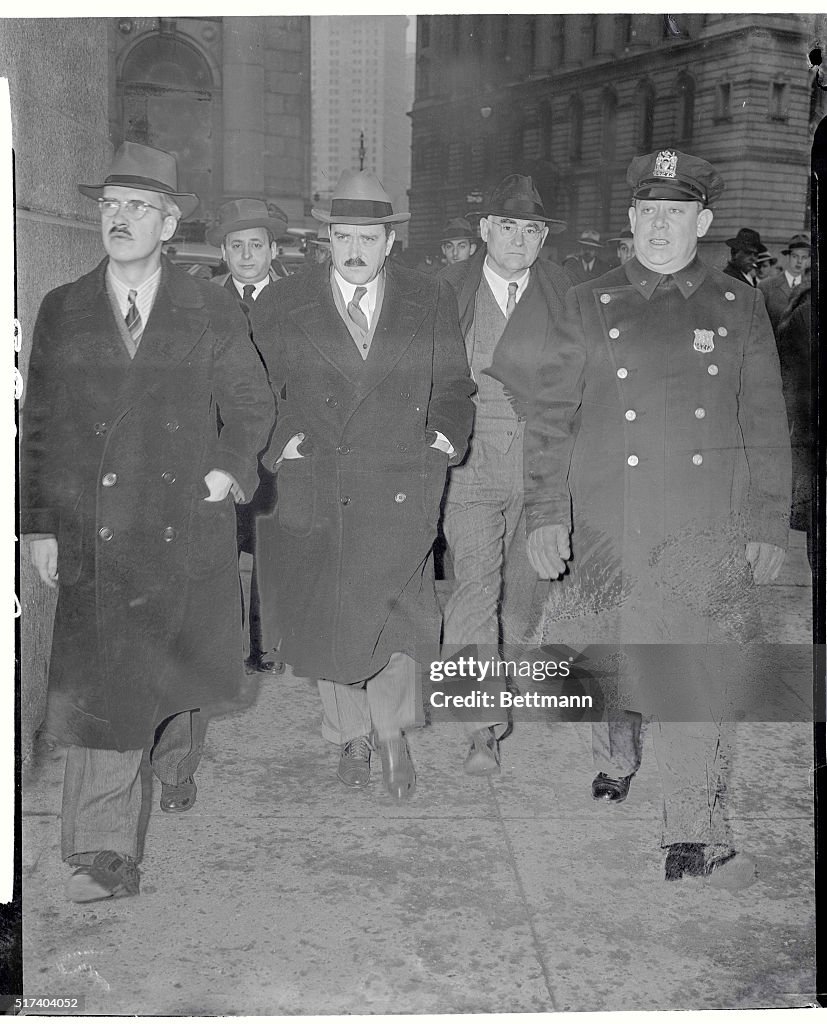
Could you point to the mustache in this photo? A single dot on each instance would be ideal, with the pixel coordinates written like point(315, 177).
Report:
point(116, 230)
point(355, 261)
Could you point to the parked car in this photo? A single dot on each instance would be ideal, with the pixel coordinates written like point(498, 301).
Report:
point(196, 258)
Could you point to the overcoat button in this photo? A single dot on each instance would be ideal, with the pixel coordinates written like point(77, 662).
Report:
point(630, 415)
point(331, 401)
point(697, 458)
point(399, 498)
point(623, 373)
point(169, 534)
point(633, 460)
point(712, 370)
point(729, 296)
point(402, 447)
point(343, 449)
point(723, 332)
point(172, 426)
point(345, 500)
point(106, 533)
point(605, 297)
point(100, 429)
point(109, 479)
point(700, 412)
point(168, 477)
point(405, 394)
point(614, 333)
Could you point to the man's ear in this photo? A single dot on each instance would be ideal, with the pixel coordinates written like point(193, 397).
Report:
point(704, 222)
point(485, 228)
point(168, 230)
point(473, 248)
point(632, 218)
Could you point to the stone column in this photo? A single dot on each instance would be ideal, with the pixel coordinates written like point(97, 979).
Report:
point(543, 58)
point(244, 133)
point(573, 40)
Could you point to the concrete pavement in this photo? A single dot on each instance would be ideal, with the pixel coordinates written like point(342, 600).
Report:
point(282, 892)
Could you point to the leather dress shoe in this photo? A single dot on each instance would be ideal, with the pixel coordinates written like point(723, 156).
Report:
point(108, 875)
point(263, 663)
point(354, 762)
point(397, 768)
point(611, 790)
point(484, 756)
point(721, 868)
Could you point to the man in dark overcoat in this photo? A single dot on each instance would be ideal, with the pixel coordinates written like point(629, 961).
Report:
point(505, 295)
point(658, 442)
point(588, 262)
point(744, 250)
point(373, 393)
point(127, 492)
point(778, 290)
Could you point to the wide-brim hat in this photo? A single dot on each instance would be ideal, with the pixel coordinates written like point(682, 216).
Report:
point(590, 237)
point(624, 236)
point(241, 214)
point(322, 239)
point(359, 198)
point(516, 197)
point(153, 170)
point(746, 240)
point(671, 174)
point(458, 229)
point(800, 241)
point(766, 257)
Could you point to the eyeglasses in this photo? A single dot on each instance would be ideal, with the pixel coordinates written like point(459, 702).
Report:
point(135, 209)
point(509, 227)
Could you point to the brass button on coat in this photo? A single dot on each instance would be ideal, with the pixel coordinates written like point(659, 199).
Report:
point(109, 479)
point(172, 426)
point(399, 498)
point(630, 415)
point(697, 459)
point(614, 333)
point(700, 412)
point(106, 533)
point(712, 370)
point(633, 460)
point(345, 500)
point(169, 534)
point(623, 373)
point(168, 477)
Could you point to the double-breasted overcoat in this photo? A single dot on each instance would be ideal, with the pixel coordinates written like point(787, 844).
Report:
point(113, 459)
point(347, 557)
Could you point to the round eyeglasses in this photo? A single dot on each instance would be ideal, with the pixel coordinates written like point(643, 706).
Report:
point(510, 227)
point(135, 209)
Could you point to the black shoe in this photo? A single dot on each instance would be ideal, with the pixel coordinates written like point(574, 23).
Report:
point(612, 791)
point(724, 869)
point(263, 663)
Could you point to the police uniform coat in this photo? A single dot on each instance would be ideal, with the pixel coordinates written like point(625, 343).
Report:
point(660, 419)
point(113, 458)
point(346, 559)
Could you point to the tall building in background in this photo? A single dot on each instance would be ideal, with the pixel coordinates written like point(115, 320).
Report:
point(572, 98)
point(361, 96)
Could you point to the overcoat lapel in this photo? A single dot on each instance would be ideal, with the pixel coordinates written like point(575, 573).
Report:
point(399, 320)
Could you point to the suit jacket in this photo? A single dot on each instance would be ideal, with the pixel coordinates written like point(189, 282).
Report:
point(113, 457)
point(776, 292)
point(577, 273)
point(347, 553)
point(732, 271)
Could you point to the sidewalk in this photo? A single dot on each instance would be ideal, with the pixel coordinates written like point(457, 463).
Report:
point(282, 892)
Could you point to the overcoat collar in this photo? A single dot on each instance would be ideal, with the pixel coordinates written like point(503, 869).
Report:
point(644, 280)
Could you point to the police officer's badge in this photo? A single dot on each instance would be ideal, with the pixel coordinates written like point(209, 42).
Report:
point(704, 341)
point(666, 164)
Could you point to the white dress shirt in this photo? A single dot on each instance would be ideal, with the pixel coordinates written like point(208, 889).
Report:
point(499, 285)
point(368, 303)
point(257, 288)
point(144, 298)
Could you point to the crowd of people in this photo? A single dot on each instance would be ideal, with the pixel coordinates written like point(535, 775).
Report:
point(615, 427)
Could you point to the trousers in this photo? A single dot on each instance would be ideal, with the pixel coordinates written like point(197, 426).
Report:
point(386, 703)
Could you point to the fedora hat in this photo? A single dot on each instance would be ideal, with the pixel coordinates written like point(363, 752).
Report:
point(137, 166)
point(515, 196)
point(590, 237)
point(800, 241)
point(766, 257)
point(458, 228)
point(624, 236)
point(359, 198)
point(746, 240)
point(239, 214)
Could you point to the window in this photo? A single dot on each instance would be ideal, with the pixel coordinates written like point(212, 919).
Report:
point(779, 104)
point(723, 101)
point(575, 128)
point(686, 106)
point(645, 115)
point(608, 133)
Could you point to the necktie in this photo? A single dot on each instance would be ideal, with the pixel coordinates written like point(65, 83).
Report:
point(354, 310)
point(796, 282)
point(134, 324)
point(511, 304)
point(248, 290)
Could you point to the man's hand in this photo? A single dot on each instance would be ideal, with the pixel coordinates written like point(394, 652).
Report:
point(220, 484)
point(44, 559)
point(548, 551)
point(766, 561)
point(291, 449)
point(441, 443)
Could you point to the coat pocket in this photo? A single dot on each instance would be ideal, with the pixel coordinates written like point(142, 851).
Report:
point(296, 502)
point(211, 538)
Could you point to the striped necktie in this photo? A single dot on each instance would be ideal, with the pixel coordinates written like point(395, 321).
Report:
point(134, 324)
point(354, 310)
point(511, 304)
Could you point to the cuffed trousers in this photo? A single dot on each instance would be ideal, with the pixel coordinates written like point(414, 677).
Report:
point(386, 703)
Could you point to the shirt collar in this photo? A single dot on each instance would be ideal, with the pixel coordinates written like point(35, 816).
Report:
point(257, 288)
point(145, 292)
point(644, 280)
point(347, 290)
point(499, 285)
point(791, 278)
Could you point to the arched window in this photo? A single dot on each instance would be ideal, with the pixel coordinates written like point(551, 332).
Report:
point(167, 61)
point(686, 106)
point(608, 127)
point(546, 130)
point(575, 128)
point(645, 115)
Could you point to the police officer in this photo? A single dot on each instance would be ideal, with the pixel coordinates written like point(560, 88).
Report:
point(663, 379)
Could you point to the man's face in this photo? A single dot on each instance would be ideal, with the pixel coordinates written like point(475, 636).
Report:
point(797, 261)
point(666, 232)
point(249, 254)
point(129, 241)
point(359, 251)
point(625, 250)
point(744, 260)
point(763, 269)
point(513, 245)
point(457, 250)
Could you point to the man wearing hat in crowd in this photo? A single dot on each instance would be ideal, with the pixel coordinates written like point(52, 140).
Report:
point(373, 393)
point(658, 441)
point(318, 248)
point(743, 255)
point(586, 264)
point(127, 495)
point(504, 294)
point(246, 231)
point(778, 290)
point(625, 243)
point(458, 242)
point(765, 266)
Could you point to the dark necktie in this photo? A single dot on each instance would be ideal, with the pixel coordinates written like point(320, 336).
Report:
point(511, 304)
point(247, 297)
point(134, 324)
point(354, 310)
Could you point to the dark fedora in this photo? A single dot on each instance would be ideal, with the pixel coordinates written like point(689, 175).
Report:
point(516, 197)
point(800, 241)
point(456, 229)
point(240, 214)
point(588, 236)
point(624, 236)
point(359, 198)
point(137, 166)
point(746, 240)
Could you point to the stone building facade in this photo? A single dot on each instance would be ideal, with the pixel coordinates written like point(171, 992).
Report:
point(572, 98)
